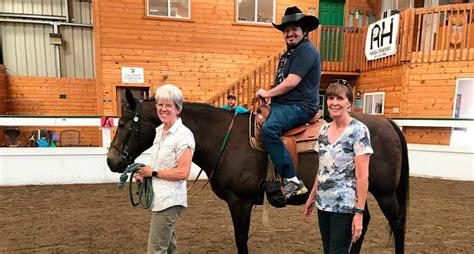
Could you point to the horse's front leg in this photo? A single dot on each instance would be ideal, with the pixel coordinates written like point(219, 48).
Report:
point(241, 210)
point(355, 248)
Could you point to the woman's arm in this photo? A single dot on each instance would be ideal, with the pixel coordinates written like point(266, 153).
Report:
point(362, 179)
point(180, 172)
point(309, 206)
point(362, 187)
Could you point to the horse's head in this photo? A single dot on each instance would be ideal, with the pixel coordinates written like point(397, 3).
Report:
point(135, 133)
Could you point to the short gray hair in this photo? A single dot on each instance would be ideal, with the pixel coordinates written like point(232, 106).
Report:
point(172, 93)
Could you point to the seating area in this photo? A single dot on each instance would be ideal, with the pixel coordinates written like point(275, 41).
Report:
point(14, 137)
point(70, 138)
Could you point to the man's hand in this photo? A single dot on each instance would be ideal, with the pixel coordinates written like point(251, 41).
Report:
point(262, 92)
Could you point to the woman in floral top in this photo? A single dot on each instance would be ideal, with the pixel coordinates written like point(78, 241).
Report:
point(341, 184)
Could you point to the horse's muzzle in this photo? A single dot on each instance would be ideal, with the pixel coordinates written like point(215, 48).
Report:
point(116, 164)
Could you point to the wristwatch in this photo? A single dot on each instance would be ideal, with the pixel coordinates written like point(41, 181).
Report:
point(154, 173)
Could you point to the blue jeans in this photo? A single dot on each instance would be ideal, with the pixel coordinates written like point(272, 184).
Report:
point(336, 231)
point(282, 119)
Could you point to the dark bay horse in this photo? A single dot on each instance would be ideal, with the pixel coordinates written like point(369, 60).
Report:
point(241, 169)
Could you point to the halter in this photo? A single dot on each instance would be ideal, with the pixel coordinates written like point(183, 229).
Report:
point(135, 128)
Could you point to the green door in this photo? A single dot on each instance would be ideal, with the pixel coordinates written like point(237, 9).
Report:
point(331, 13)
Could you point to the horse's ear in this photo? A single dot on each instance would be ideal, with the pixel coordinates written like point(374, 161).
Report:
point(130, 100)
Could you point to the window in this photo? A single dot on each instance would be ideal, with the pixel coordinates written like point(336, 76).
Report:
point(169, 8)
point(256, 11)
point(399, 5)
point(374, 103)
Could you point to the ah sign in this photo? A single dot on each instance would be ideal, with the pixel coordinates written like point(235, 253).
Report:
point(381, 38)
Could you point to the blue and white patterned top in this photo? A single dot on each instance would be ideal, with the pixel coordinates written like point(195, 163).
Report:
point(336, 176)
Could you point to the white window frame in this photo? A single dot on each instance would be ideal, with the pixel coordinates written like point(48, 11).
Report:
point(169, 11)
point(372, 108)
point(255, 12)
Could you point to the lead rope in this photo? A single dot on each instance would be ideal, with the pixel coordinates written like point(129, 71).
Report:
point(145, 189)
point(224, 143)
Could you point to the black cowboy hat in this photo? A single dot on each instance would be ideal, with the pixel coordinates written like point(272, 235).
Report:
point(231, 96)
point(294, 16)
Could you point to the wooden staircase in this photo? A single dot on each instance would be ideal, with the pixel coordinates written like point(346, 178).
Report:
point(245, 87)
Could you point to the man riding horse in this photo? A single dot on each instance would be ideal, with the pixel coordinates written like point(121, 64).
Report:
point(294, 95)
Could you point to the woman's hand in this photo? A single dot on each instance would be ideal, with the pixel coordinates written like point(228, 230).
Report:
point(357, 226)
point(308, 208)
point(145, 171)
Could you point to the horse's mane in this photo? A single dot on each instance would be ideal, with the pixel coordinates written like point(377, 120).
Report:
point(205, 106)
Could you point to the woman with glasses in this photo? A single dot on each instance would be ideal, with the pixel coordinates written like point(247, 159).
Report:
point(171, 159)
point(341, 184)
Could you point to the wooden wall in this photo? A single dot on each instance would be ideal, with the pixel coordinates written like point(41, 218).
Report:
point(388, 80)
point(201, 56)
point(431, 88)
point(40, 96)
point(418, 90)
point(3, 96)
point(3, 89)
point(90, 136)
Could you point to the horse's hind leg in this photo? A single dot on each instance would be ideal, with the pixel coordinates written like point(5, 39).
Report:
point(391, 210)
point(356, 247)
point(241, 211)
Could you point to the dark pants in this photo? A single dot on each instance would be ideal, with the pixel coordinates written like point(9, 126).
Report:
point(282, 119)
point(336, 231)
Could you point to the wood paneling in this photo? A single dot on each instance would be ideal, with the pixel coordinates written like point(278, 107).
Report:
point(200, 56)
point(41, 96)
point(3, 96)
point(422, 135)
point(418, 90)
point(90, 136)
point(3, 89)
point(388, 80)
point(431, 88)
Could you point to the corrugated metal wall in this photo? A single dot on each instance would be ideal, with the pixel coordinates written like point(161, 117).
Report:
point(26, 47)
point(37, 7)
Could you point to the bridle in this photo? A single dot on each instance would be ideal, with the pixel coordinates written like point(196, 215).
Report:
point(133, 128)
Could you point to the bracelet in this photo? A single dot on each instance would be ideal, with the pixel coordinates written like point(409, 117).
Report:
point(360, 211)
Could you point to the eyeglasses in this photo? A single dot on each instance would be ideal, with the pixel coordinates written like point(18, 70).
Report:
point(340, 82)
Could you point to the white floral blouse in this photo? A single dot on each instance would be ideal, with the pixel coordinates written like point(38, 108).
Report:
point(165, 153)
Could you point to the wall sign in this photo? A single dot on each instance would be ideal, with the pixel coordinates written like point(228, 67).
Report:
point(132, 75)
point(381, 40)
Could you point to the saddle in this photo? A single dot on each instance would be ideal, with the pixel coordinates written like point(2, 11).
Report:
point(298, 140)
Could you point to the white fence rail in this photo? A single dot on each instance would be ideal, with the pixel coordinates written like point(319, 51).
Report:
point(70, 165)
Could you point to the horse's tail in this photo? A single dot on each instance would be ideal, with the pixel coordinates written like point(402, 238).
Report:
point(403, 189)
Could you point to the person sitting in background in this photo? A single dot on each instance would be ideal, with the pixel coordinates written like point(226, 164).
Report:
point(232, 105)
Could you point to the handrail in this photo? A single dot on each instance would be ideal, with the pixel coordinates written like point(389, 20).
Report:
point(443, 33)
point(339, 47)
point(434, 34)
point(424, 35)
point(245, 87)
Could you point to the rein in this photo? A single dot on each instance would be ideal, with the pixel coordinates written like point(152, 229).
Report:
point(145, 189)
point(221, 151)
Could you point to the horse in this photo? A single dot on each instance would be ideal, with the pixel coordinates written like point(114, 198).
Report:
point(241, 169)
